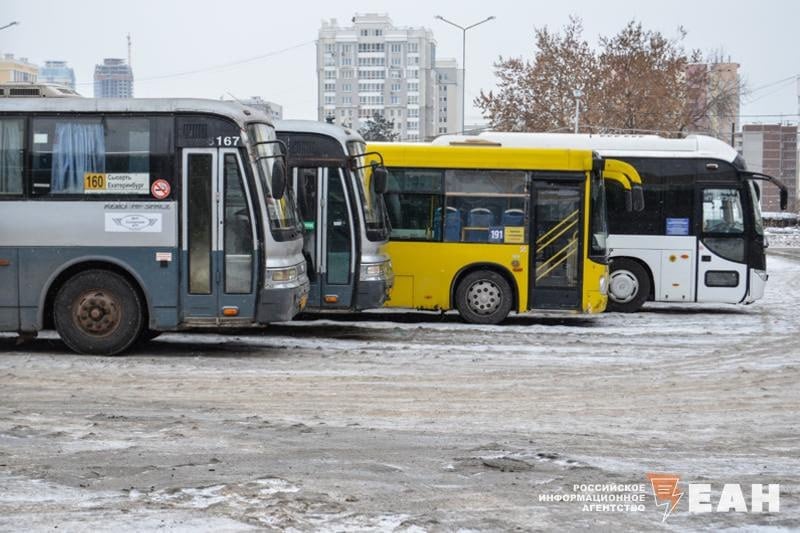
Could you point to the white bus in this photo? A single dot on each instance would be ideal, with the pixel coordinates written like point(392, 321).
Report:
point(127, 217)
point(700, 237)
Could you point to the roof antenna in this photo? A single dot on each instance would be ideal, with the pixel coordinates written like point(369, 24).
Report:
point(234, 98)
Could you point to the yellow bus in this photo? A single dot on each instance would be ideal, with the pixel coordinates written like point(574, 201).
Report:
point(487, 230)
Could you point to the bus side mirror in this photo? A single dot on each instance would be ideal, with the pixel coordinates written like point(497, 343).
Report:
point(784, 199)
point(278, 179)
point(380, 178)
point(628, 201)
point(638, 198)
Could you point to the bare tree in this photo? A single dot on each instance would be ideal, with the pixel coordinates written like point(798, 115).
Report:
point(538, 95)
point(636, 80)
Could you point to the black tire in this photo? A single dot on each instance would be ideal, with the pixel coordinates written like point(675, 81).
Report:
point(98, 312)
point(148, 334)
point(629, 286)
point(484, 297)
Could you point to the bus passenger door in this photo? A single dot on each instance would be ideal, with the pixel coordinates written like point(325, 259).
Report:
point(722, 273)
point(218, 248)
point(306, 184)
point(556, 242)
point(337, 237)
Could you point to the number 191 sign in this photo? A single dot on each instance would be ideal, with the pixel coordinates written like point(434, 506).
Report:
point(496, 234)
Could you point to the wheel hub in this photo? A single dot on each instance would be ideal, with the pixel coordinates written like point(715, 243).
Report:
point(97, 312)
point(483, 297)
point(624, 286)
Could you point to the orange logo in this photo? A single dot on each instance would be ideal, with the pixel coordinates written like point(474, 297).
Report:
point(665, 491)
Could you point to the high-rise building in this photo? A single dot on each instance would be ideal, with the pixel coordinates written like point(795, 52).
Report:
point(57, 72)
point(275, 111)
point(715, 93)
point(447, 105)
point(113, 79)
point(17, 69)
point(771, 149)
point(374, 67)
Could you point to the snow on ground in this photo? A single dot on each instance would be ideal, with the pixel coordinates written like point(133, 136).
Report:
point(783, 237)
point(408, 421)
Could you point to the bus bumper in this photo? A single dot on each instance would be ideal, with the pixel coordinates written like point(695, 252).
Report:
point(758, 282)
point(374, 285)
point(373, 294)
point(281, 304)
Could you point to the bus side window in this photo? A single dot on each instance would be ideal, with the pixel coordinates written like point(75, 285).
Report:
point(413, 202)
point(492, 205)
point(12, 134)
point(100, 156)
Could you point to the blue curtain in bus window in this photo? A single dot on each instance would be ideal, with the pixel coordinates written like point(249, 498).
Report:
point(11, 156)
point(78, 148)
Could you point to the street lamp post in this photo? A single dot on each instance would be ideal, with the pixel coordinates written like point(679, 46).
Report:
point(9, 25)
point(464, 61)
point(577, 93)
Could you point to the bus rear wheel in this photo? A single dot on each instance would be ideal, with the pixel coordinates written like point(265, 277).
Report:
point(98, 312)
point(629, 286)
point(484, 297)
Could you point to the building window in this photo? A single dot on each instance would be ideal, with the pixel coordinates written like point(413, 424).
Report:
point(370, 47)
point(413, 48)
point(396, 48)
point(413, 99)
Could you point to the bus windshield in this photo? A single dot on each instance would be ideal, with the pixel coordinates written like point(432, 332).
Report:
point(599, 224)
point(283, 219)
point(375, 218)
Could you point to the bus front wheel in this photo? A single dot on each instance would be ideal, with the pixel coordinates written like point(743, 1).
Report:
point(484, 297)
point(629, 287)
point(98, 313)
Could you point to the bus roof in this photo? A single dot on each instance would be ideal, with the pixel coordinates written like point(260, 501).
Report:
point(340, 133)
point(693, 146)
point(233, 110)
point(489, 157)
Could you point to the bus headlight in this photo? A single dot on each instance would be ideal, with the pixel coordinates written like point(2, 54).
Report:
point(282, 276)
point(604, 285)
point(375, 271)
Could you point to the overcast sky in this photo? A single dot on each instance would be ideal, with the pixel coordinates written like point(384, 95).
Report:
point(176, 44)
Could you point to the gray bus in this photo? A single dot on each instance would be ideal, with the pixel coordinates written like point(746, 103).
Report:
point(125, 218)
point(341, 203)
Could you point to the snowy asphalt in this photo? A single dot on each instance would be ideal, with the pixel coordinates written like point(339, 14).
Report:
point(410, 422)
